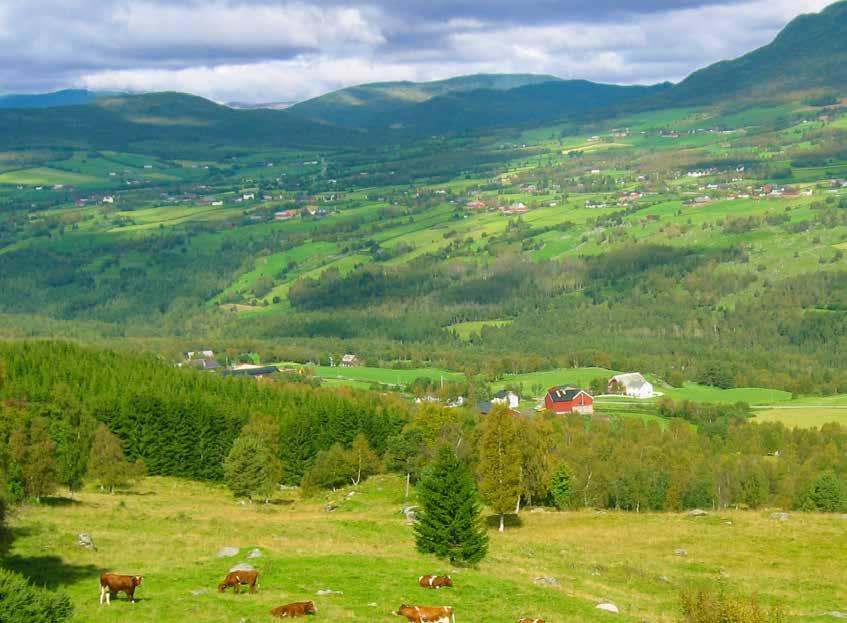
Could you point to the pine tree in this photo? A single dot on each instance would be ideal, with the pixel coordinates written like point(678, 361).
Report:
point(250, 470)
point(450, 525)
point(500, 461)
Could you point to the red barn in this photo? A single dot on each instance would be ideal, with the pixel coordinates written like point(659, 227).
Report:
point(568, 400)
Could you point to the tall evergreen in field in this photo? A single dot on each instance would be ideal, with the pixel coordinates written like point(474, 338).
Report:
point(450, 525)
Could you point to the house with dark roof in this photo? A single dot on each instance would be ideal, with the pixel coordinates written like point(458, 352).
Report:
point(632, 384)
point(568, 400)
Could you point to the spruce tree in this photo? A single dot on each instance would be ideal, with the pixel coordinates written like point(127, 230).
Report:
point(251, 470)
point(450, 525)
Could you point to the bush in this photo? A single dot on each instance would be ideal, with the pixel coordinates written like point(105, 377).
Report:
point(707, 605)
point(21, 602)
point(562, 487)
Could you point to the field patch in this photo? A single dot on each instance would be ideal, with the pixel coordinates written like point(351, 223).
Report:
point(464, 330)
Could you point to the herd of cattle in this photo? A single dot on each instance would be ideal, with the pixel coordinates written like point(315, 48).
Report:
point(113, 583)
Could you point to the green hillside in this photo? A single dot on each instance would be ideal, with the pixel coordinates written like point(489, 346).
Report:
point(366, 105)
point(67, 97)
point(810, 54)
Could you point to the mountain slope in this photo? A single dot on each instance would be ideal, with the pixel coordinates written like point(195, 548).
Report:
point(159, 122)
point(68, 97)
point(366, 105)
point(810, 54)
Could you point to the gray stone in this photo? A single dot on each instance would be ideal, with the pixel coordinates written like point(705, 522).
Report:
point(780, 516)
point(84, 540)
point(351, 494)
point(331, 506)
point(227, 552)
point(326, 591)
point(372, 605)
point(547, 580)
point(680, 552)
point(608, 608)
point(242, 566)
point(697, 512)
point(255, 553)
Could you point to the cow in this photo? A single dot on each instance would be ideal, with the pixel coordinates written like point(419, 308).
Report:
point(113, 583)
point(435, 581)
point(427, 614)
point(297, 609)
point(236, 578)
point(528, 620)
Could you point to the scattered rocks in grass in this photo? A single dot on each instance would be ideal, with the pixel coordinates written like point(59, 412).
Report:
point(255, 553)
point(697, 512)
point(780, 516)
point(680, 552)
point(411, 513)
point(84, 540)
point(547, 580)
point(326, 591)
point(835, 614)
point(227, 552)
point(664, 578)
point(331, 506)
point(609, 607)
point(242, 566)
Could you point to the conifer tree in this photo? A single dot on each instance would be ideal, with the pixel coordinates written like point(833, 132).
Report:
point(449, 525)
point(250, 469)
point(562, 487)
point(500, 461)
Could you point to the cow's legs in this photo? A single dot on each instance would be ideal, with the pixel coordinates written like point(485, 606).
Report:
point(102, 592)
point(108, 596)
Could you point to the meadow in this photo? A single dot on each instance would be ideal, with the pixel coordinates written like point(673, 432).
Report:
point(170, 530)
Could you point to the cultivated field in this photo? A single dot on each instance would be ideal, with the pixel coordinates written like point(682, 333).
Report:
point(170, 531)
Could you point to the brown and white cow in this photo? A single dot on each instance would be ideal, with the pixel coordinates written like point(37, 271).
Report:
point(236, 578)
point(435, 581)
point(297, 609)
point(114, 583)
point(528, 620)
point(427, 614)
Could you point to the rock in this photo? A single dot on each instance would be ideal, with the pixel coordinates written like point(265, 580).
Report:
point(242, 566)
point(372, 605)
point(199, 591)
point(538, 509)
point(351, 494)
point(664, 578)
point(227, 552)
point(547, 581)
point(844, 516)
point(411, 513)
point(325, 591)
point(697, 512)
point(255, 553)
point(84, 540)
point(608, 608)
point(835, 614)
point(680, 552)
point(331, 506)
point(780, 516)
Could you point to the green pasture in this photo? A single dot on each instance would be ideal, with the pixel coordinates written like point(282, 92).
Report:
point(464, 330)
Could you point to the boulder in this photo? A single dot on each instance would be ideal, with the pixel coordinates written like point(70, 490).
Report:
point(697, 512)
point(351, 494)
point(780, 516)
point(680, 552)
point(255, 553)
point(242, 566)
point(227, 552)
point(608, 608)
point(547, 580)
point(84, 540)
point(331, 506)
point(411, 513)
point(326, 591)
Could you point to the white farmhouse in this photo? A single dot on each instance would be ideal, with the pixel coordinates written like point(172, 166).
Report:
point(507, 398)
point(632, 384)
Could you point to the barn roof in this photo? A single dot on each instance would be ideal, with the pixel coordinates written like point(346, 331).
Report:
point(632, 380)
point(563, 394)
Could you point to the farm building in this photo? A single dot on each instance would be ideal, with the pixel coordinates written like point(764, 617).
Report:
point(568, 400)
point(632, 384)
point(350, 361)
point(507, 398)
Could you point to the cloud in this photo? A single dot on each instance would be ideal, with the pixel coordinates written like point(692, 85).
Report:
point(278, 50)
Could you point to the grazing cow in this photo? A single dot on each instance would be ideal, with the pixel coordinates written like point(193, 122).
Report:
point(295, 610)
point(113, 583)
point(528, 620)
point(435, 581)
point(237, 578)
point(427, 614)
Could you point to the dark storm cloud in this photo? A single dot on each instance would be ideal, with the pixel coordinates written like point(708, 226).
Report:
point(280, 49)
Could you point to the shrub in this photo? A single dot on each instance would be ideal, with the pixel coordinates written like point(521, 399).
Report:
point(20, 602)
point(828, 494)
point(707, 605)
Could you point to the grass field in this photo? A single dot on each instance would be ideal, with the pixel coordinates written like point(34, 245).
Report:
point(800, 417)
point(170, 530)
point(464, 330)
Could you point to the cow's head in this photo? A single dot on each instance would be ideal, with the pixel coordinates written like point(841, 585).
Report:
point(311, 608)
point(136, 580)
point(448, 581)
point(404, 610)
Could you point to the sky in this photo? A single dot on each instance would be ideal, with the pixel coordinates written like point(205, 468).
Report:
point(285, 51)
